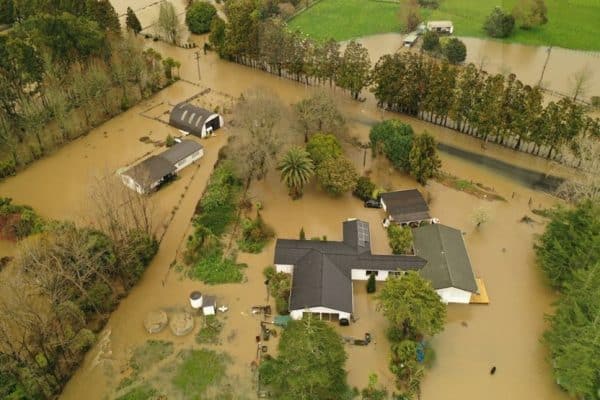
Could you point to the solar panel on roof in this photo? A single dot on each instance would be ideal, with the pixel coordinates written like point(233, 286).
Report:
point(363, 233)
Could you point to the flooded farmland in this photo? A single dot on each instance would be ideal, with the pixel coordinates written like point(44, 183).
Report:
point(505, 333)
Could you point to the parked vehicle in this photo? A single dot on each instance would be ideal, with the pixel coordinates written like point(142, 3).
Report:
point(372, 203)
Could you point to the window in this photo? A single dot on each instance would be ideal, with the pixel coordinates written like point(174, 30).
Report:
point(373, 273)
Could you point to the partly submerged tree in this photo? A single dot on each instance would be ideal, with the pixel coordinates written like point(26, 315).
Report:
point(424, 160)
point(323, 146)
point(296, 170)
point(412, 306)
point(353, 72)
point(573, 335)
point(499, 24)
point(132, 22)
point(570, 242)
point(455, 51)
point(400, 239)
point(337, 175)
point(309, 365)
point(199, 16)
point(168, 22)
point(319, 113)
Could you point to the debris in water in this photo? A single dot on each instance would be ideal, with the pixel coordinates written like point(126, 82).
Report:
point(156, 321)
point(223, 308)
point(493, 370)
point(504, 250)
point(527, 219)
point(181, 323)
point(464, 323)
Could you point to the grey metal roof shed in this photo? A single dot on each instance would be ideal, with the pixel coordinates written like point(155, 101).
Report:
point(192, 119)
point(448, 263)
point(181, 150)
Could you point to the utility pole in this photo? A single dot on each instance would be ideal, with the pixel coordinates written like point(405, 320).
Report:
point(548, 51)
point(197, 53)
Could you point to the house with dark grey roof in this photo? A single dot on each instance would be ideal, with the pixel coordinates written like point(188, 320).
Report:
point(183, 154)
point(405, 207)
point(191, 119)
point(448, 265)
point(152, 172)
point(323, 271)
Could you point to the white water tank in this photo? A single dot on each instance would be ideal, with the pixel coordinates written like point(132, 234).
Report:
point(196, 300)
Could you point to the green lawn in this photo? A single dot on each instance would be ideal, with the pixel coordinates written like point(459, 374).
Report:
point(347, 19)
point(572, 24)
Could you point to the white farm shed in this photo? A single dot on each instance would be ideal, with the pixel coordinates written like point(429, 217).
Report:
point(194, 120)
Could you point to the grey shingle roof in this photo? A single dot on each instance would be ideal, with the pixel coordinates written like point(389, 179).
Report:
point(448, 263)
point(150, 170)
point(322, 270)
point(179, 151)
point(406, 205)
point(189, 117)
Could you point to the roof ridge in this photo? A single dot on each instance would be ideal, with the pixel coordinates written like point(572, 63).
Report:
point(438, 228)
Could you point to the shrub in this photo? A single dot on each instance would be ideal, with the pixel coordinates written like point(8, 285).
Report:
point(255, 235)
point(215, 268)
point(302, 234)
point(210, 331)
point(7, 168)
point(337, 175)
point(394, 139)
point(199, 17)
point(431, 41)
point(499, 24)
point(323, 146)
point(170, 141)
point(424, 160)
point(279, 287)
point(400, 239)
point(364, 188)
point(455, 51)
point(371, 284)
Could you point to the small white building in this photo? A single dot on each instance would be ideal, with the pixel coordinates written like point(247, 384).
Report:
point(152, 172)
point(194, 120)
point(441, 27)
point(207, 304)
point(410, 39)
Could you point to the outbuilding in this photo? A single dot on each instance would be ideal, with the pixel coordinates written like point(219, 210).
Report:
point(405, 207)
point(441, 27)
point(194, 120)
point(410, 39)
point(448, 265)
point(183, 154)
point(149, 174)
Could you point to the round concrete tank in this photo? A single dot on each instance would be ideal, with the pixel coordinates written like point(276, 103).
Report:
point(196, 299)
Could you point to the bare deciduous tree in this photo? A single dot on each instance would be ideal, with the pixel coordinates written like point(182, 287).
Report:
point(585, 184)
point(580, 82)
point(260, 134)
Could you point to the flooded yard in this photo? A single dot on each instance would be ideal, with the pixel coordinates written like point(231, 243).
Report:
point(505, 333)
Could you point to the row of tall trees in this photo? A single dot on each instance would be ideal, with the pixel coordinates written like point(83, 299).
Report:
point(62, 74)
point(491, 107)
point(63, 284)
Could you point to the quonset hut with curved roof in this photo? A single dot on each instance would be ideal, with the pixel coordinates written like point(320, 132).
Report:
point(191, 119)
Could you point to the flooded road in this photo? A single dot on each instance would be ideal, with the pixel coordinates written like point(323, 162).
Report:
point(505, 333)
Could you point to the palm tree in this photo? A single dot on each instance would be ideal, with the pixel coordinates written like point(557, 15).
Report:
point(296, 170)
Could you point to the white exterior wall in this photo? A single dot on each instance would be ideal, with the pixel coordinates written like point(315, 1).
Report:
point(297, 314)
point(361, 275)
point(383, 205)
point(454, 295)
point(133, 185)
point(287, 268)
point(209, 310)
point(188, 160)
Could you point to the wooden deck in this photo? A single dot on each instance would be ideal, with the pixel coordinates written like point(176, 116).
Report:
point(482, 297)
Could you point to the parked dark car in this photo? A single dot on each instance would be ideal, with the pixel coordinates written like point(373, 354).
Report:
point(372, 203)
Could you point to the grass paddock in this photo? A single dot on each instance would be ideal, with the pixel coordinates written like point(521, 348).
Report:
point(571, 24)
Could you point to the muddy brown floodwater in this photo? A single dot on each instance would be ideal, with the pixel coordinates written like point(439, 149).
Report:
point(505, 333)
